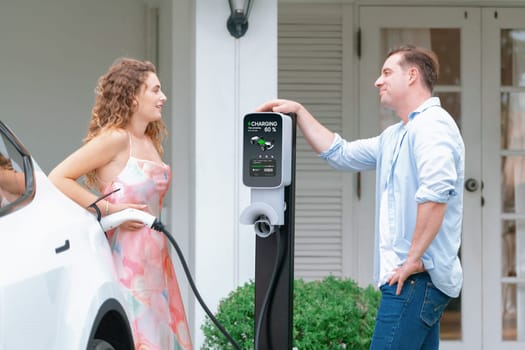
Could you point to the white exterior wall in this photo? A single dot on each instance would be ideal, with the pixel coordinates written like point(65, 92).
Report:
point(52, 53)
point(232, 77)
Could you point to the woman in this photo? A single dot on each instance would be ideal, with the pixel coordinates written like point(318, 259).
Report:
point(123, 151)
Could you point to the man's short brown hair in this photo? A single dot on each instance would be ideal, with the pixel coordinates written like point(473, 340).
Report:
point(424, 59)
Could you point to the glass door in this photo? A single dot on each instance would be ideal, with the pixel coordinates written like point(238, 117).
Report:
point(503, 105)
point(454, 34)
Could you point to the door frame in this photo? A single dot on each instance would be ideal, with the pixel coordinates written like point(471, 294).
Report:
point(494, 19)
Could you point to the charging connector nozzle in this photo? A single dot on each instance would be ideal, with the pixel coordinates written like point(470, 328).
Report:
point(263, 227)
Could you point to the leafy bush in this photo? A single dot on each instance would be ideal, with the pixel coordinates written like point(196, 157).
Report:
point(330, 314)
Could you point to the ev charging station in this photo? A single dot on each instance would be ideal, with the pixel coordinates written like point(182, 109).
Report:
point(269, 170)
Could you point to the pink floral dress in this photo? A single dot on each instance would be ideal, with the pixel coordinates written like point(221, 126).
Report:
point(143, 263)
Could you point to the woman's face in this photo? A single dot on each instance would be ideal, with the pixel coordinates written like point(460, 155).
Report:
point(150, 99)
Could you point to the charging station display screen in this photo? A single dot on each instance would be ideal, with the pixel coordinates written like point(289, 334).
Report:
point(262, 148)
point(262, 167)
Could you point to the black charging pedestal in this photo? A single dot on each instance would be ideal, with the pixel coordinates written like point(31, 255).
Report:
point(277, 322)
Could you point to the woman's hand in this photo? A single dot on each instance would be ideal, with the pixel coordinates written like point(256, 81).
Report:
point(128, 225)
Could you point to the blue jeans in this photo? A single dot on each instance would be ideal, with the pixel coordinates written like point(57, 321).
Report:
point(409, 321)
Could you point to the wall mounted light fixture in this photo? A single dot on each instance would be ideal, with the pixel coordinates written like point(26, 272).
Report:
point(237, 23)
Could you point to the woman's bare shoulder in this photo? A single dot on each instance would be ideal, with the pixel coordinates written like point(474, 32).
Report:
point(115, 137)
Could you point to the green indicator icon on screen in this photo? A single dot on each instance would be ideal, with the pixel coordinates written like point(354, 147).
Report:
point(261, 142)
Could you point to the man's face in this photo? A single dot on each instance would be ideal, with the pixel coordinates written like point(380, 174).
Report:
point(393, 82)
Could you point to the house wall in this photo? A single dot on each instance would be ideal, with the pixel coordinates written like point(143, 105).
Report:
point(232, 77)
point(52, 53)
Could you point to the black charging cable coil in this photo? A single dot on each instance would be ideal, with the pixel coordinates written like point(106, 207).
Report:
point(158, 226)
point(268, 298)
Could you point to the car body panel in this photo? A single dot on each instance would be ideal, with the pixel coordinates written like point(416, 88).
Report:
point(56, 273)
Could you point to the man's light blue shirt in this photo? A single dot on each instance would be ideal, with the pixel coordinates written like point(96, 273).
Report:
point(417, 162)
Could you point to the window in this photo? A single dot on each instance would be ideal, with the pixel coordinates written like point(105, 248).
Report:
point(16, 173)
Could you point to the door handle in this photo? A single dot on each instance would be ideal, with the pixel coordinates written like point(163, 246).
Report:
point(471, 185)
point(63, 247)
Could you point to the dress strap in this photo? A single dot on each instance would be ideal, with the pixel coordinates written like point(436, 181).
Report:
point(129, 138)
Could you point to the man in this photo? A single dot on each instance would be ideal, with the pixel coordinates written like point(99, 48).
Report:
point(419, 165)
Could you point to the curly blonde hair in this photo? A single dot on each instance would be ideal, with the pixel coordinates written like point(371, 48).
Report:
point(113, 108)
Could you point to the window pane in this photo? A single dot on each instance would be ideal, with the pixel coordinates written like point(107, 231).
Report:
point(513, 120)
point(513, 279)
point(513, 57)
point(513, 184)
point(12, 177)
point(445, 42)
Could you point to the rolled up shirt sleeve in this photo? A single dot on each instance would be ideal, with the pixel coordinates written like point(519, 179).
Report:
point(437, 160)
point(352, 156)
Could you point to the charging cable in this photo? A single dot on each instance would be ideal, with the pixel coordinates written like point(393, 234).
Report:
point(157, 225)
point(268, 298)
point(112, 221)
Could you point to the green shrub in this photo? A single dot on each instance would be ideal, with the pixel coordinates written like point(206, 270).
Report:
point(330, 314)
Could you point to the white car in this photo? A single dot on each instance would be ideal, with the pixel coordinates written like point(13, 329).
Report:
point(57, 287)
